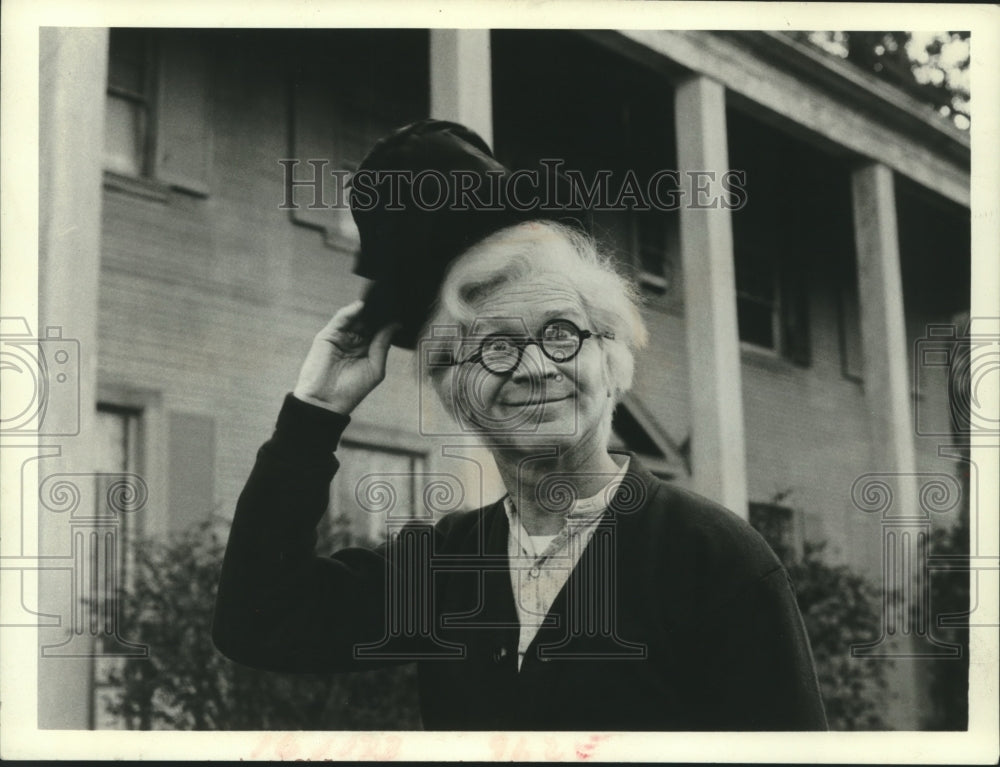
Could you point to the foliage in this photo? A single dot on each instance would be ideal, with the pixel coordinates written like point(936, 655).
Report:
point(186, 684)
point(839, 608)
point(931, 67)
point(948, 685)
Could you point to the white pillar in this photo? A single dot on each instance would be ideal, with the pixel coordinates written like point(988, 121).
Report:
point(883, 326)
point(72, 85)
point(461, 86)
point(887, 393)
point(718, 451)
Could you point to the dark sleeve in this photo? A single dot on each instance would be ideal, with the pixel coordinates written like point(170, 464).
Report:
point(759, 666)
point(279, 606)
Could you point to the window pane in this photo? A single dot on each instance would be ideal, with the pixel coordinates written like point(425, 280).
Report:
point(756, 322)
point(755, 275)
point(112, 442)
point(124, 136)
point(114, 452)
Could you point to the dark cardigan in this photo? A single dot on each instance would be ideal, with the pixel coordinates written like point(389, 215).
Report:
point(677, 617)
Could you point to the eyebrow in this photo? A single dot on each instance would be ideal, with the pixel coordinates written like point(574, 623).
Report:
point(490, 325)
point(563, 313)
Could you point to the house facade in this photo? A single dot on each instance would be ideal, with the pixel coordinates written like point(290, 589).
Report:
point(194, 257)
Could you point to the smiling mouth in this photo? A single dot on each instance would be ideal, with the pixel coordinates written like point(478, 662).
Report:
point(534, 402)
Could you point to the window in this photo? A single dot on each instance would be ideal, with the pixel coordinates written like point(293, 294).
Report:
point(792, 223)
point(656, 249)
point(757, 308)
point(781, 527)
point(157, 114)
point(772, 302)
point(129, 108)
point(117, 451)
point(374, 488)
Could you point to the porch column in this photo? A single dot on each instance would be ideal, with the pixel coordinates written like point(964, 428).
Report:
point(72, 85)
point(888, 397)
point(883, 328)
point(718, 451)
point(461, 87)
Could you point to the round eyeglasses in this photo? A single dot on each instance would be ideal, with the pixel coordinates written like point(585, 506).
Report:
point(560, 341)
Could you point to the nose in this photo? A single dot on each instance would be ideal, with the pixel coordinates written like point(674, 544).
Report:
point(534, 365)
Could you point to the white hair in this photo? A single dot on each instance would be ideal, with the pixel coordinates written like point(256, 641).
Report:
point(526, 251)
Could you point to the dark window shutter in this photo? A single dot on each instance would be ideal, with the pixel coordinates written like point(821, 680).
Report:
point(184, 127)
point(191, 470)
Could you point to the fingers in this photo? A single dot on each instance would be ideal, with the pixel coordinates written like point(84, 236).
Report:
point(342, 320)
point(342, 332)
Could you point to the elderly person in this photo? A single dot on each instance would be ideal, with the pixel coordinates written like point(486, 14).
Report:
point(591, 596)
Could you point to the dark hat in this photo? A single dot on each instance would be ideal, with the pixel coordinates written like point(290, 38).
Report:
point(414, 219)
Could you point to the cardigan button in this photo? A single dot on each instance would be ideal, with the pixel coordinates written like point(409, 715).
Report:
point(499, 653)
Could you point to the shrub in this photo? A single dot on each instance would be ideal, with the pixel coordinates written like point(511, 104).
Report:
point(841, 608)
point(186, 684)
point(948, 678)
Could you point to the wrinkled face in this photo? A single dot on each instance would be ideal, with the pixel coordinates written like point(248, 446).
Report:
point(544, 398)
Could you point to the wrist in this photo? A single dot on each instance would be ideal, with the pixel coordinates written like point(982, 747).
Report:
point(334, 403)
point(305, 429)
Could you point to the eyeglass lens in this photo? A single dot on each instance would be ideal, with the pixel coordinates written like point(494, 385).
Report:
point(560, 341)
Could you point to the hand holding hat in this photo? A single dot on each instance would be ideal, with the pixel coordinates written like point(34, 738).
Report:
point(342, 366)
